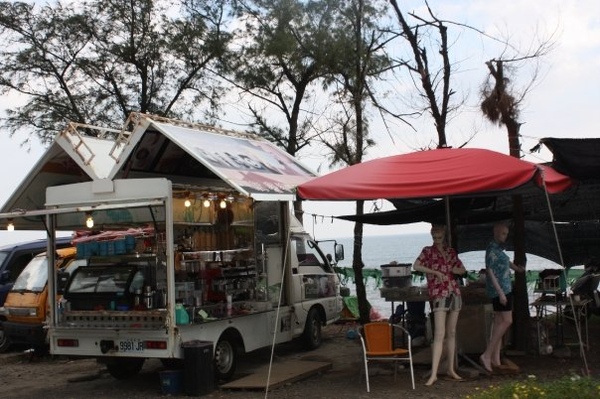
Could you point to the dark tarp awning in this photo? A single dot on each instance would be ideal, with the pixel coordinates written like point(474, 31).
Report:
point(578, 241)
point(575, 211)
point(577, 158)
point(462, 210)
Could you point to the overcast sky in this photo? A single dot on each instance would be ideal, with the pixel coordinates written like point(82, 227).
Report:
point(564, 103)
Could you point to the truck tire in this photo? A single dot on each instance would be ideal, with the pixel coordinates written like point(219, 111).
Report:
point(225, 358)
point(4, 341)
point(312, 335)
point(124, 368)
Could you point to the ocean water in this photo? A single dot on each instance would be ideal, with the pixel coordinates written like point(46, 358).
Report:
point(404, 248)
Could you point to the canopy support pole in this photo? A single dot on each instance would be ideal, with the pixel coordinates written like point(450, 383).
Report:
point(562, 263)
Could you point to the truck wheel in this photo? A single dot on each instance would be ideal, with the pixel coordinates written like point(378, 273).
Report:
point(312, 336)
point(4, 341)
point(225, 358)
point(124, 368)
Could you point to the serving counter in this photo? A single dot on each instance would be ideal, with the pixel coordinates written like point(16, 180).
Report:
point(471, 295)
point(474, 322)
point(404, 294)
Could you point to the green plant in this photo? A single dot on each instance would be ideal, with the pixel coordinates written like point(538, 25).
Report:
point(566, 387)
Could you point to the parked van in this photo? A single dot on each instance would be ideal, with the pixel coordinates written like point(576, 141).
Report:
point(26, 305)
point(13, 259)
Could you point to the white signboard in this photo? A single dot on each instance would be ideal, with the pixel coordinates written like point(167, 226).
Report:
point(252, 167)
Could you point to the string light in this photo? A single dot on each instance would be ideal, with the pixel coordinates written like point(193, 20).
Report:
point(10, 226)
point(223, 204)
point(206, 203)
point(187, 202)
point(89, 220)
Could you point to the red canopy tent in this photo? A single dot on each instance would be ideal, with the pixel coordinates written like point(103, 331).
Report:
point(439, 173)
point(429, 174)
point(414, 182)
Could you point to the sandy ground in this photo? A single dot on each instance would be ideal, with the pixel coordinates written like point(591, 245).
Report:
point(25, 376)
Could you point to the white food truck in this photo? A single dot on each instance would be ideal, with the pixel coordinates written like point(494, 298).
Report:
point(188, 235)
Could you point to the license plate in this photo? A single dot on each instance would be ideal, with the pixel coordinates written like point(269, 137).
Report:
point(131, 345)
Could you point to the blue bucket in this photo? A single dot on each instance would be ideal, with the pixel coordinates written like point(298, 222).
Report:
point(129, 243)
point(103, 248)
point(120, 246)
point(82, 252)
point(171, 382)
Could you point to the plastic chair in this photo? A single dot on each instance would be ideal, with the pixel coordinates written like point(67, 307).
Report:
point(377, 340)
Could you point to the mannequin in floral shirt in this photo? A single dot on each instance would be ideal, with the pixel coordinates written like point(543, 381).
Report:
point(440, 264)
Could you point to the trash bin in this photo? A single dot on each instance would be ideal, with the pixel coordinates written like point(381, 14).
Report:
point(199, 376)
point(171, 382)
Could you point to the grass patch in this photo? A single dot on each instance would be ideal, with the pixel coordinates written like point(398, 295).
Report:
point(530, 388)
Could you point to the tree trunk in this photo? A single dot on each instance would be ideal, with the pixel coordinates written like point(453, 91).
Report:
point(357, 266)
point(521, 299)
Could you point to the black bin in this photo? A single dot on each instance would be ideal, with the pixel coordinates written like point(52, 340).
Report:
point(198, 373)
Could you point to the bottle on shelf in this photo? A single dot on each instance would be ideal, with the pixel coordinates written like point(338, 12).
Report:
point(181, 315)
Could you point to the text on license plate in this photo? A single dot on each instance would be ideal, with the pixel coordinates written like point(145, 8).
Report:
point(131, 345)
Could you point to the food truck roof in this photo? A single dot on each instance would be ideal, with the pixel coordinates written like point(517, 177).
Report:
point(188, 154)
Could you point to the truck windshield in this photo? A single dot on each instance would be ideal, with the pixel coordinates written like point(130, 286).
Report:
point(34, 277)
point(309, 254)
point(4, 275)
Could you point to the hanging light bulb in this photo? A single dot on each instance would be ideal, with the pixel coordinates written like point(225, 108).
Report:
point(89, 220)
point(187, 203)
point(10, 226)
point(206, 203)
point(223, 204)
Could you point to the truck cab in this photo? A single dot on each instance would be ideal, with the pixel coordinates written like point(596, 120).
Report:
point(26, 304)
point(13, 259)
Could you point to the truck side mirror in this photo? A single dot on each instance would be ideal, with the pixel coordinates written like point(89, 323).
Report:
point(339, 252)
point(62, 279)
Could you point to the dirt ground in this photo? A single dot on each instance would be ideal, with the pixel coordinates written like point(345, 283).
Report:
point(25, 375)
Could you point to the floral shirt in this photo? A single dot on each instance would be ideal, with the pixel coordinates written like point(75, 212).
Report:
point(498, 262)
point(433, 259)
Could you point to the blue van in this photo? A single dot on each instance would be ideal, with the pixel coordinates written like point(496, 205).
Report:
point(13, 259)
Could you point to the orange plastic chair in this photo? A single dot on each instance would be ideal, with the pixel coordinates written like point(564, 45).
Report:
point(377, 341)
